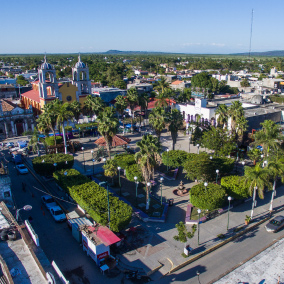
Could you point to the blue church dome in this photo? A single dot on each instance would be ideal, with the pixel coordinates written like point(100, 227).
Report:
point(80, 64)
point(46, 65)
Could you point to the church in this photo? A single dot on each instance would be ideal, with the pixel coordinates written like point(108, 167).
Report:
point(47, 89)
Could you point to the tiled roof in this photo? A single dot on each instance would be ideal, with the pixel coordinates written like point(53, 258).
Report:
point(177, 82)
point(117, 140)
point(32, 95)
point(7, 105)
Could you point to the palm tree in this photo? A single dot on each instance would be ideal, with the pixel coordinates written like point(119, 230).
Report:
point(94, 105)
point(132, 98)
point(235, 111)
point(268, 136)
point(175, 121)
point(110, 169)
point(143, 100)
point(222, 112)
point(157, 120)
point(147, 159)
point(257, 178)
point(76, 109)
point(242, 125)
point(108, 125)
point(34, 141)
point(276, 166)
point(63, 114)
point(162, 85)
point(121, 106)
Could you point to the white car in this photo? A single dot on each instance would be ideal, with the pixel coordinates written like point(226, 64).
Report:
point(48, 201)
point(57, 214)
point(22, 169)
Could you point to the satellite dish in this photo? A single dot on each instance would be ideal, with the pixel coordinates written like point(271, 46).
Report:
point(50, 278)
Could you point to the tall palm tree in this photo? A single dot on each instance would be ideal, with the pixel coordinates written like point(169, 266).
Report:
point(132, 98)
point(162, 85)
point(143, 100)
point(76, 109)
point(235, 111)
point(121, 106)
point(34, 142)
point(276, 166)
point(175, 121)
point(94, 105)
point(63, 114)
point(157, 120)
point(222, 112)
point(108, 125)
point(257, 178)
point(268, 136)
point(242, 125)
point(147, 159)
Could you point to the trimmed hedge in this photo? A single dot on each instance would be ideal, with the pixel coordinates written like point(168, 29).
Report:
point(93, 198)
point(235, 187)
point(124, 160)
point(50, 140)
point(132, 171)
point(47, 167)
point(176, 158)
point(210, 198)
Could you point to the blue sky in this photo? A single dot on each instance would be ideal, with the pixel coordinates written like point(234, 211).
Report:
point(186, 26)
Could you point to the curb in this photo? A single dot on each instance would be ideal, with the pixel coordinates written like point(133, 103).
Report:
point(200, 255)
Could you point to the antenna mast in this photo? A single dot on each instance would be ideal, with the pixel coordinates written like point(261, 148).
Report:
point(250, 32)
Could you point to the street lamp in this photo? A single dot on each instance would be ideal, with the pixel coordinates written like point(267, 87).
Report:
point(161, 180)
point(197, 148)
point(84, 158)
point(136, 184)
point(229, 199)
point(217, 174)
point(243, 163)
point(93, 166)
point(168, 159)
point(198, 273)
point(211, 157)
point(189, 138)
point(253, 201)
point(205, 184)
point(198, 211)
point(119, 168)
point(148, 196)
point(92, 152)
point(102, 183)
point(26, 208)
point(55, 165)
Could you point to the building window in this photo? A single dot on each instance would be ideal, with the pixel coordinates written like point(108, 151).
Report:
point(69, 98)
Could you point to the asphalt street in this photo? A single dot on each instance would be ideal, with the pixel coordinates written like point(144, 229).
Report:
point(221, 261)
point(55, 239)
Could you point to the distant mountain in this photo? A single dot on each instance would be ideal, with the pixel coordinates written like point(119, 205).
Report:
point(274, 53)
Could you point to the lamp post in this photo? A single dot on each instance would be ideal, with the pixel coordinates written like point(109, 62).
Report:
point(211, 157)
point(198, 211)
point(92, 152)
point(243, 163)
point(105, 182)
point(55, 165)
point(119, 168)
point(197, 148)
point(161, 180)
point(217, 174)
point(253, 201)
point(136, 184)
point(84, 158)
point(229, 199)
point(93, 166)
point(198, 273)
point(205, 184)
point(189, 138)
point(148, 196)
point(26, 208)
point(44, 168)
point(168, 159)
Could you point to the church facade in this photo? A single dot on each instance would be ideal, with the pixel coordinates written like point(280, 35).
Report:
point(47, 89)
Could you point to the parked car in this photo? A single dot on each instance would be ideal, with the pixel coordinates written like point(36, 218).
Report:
point(22, 169)
point(275, 224)
point(48, 201)
point(57, 214)
point(10, 144)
